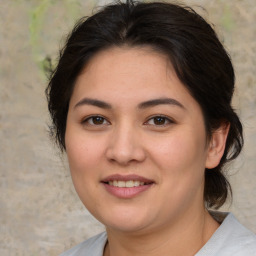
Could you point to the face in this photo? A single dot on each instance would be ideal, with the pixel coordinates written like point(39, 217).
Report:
point(135, 141)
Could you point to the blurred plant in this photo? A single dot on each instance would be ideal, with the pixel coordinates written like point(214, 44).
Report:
point(38, 15)
point(227, 19)
point(36, 20)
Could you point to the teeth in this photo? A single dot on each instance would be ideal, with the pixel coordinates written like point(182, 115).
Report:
point(121, 184)
point(129, 184)
point(137, 183)
point(125, 184)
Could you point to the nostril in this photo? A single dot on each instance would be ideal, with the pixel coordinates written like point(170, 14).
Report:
point(126, 154)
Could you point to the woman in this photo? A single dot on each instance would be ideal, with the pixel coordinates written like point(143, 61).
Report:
point(140, 101)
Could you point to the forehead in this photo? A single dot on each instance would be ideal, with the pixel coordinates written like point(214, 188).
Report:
point(129, 64)
point(126, 75)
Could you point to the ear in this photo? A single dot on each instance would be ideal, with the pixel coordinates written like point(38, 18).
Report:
point(217, 146)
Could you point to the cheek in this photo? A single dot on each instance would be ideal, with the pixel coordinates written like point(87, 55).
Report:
point(181, 162)
point(179, 149)
point(83, 151)
point(83, 156)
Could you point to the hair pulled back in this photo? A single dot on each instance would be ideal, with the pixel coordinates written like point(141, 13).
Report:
point(199, 60)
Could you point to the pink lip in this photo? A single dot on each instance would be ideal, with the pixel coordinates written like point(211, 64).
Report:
point(127, 193)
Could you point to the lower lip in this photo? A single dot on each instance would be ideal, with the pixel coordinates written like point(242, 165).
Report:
point(126, 192)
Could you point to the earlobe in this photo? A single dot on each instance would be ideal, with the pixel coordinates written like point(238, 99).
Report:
point(217, 146)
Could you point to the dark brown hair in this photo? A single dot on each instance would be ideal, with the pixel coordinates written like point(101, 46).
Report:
point(193, 48)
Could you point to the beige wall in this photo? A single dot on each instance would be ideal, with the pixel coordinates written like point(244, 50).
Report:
point(40, 213)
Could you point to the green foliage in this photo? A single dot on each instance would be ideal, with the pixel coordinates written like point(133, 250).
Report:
point(36, 21)
point(38, 15)
point(46, 65)
point(227, 19)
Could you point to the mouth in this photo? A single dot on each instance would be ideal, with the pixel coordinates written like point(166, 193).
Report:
point(127, 186)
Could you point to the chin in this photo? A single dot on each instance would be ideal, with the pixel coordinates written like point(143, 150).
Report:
point(125, 220)
point(132, 227)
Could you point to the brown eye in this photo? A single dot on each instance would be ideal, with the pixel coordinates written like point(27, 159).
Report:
point(95, 120)
point(159, 121)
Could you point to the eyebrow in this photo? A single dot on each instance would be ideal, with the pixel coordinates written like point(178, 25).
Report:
point(143, 105)
point(93, 102)
point(160, 101)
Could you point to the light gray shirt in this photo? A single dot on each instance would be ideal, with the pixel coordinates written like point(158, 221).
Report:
point(230, 239)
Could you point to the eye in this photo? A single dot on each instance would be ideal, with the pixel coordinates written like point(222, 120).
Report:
point(95, 120)
point(159, 121)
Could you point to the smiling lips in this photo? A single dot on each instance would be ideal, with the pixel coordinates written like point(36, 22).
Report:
point(127, 186)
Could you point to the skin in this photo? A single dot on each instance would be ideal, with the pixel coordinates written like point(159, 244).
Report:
point(128, 140)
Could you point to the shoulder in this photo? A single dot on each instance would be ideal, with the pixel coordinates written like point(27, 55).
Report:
point(241, 239)
point(94, 246)
point(231, 238)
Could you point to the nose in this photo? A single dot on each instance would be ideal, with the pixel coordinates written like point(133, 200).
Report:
point(125, 146)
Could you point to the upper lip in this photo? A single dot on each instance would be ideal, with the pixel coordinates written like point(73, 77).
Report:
point(128, 177)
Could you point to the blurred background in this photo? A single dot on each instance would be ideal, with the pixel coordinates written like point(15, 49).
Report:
point(40, 213)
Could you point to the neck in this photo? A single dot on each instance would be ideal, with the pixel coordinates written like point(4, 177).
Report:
point(184, 237)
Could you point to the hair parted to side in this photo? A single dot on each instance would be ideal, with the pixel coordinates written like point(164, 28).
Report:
point(199, 60)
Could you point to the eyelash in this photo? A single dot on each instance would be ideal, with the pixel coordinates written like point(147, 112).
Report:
point(165, 118)
point(86, 120)
point(106, 122)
